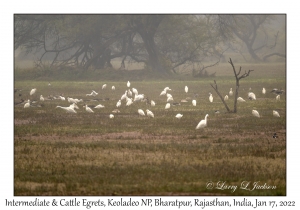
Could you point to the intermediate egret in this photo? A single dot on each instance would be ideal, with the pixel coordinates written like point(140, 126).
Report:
point(111, 116)
point(186, 89)
point(170, 99)
point(167, 106)
point(67, 109)
point(202, 123)
point(194, 102)
point(152, 103)
point(226, 98)
point(179, 116)
point(99, 106)
point(255, 113)
point(230, 92)
point(240, 99)
point(88, 109)
point(167, 89)
point(42, 98)
point(141, 112)
point(32, 91)
point(135, 91)
point(275, 114)
point(278, 97)
point(104, 86)
point(251, 96)
point(27, 104)
point(113, 87)
point(118, 103)
point(211, 99)
point(149, 113)
point(263, 91)
point(128, 84)
point(163, 93)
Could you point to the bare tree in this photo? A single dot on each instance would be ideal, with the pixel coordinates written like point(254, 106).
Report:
point(238, 77)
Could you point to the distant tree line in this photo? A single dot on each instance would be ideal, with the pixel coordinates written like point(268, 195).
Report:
point(162, 42)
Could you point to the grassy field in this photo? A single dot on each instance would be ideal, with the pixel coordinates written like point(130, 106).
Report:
point(57, 153)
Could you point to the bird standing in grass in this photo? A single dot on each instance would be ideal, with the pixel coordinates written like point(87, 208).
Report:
point(179, 116)
point(277, 97)
point(255, 113)
point(104, 86)
point(263, 91)
point(88, 109)
point(167, 106)
point(275, 114)
point(42, 98)
point(152, 103)
point(194, 102)
point(240, 99)
point(211, 99)
point(27, 104)
point(202, 123)
point(141, 112)
point(226, 98)
point(111, 116)
point(99, 106)
point(67, 109)
point(186, 89)
point(128, 84)
point(149, 113)
point(230, 92)
point(118, 103)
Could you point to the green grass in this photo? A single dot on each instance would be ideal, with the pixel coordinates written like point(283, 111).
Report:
point(56, 153)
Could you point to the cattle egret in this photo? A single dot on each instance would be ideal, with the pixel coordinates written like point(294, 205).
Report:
point(166, 89)
point(170, 99)
point(255, 113)
point(138, 97)
point(128, 84)
point(226, 98)
point(32, 91)
point(163, 93)
point(118, 103)
point(275, 114)
point(93, 93)
point(152, 103)
point(230, 92)
point(167, 106)
point(42, 98)
point(124, 95)
point(62, 98)
point(113, 87)
point(141, 112)
point(27, 104)
point(179, 116)
point(251, 96)
point(99, 106)
point(135, 91)
point(186, 89)
point(202, 123)
point(71, 100)
point(278, 97)
point(194, 102)
point(149, 113)
point(129, 102)
point(67, 109)
point(240, 99)
point(104, 86)
point(111, 116)
point(263, 91)
point(211, 99)
point(88, 109)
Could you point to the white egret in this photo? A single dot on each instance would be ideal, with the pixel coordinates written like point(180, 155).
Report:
point(129, 102)
point(42, 98)
point(149, 113)
point(27, 104)
point(115, 111)
point(275, 114)
point(128, 84)
point(88, 109)
point(226, 98)
point(62, 98)
point(167, 106)
point(166, 89)
point(111, 116)
point(211, 99)
point(74, 106)
point(141, 112)
point(255, 113)
point(240, 99)
point(32, 91)
point(230, 92)
point(71, 100)
point(124, 95)
point(78, 100)
point(139, 97)
point(263, 91)
point(278, 97)
point(170, 99)
point(67, 109)
point(93, 93)
point(202, 123)
point(179, 116)
point(163, 93)
point(104, 86)
point(99, 106)
point(152, 103)
point(135, 91)
point(251, 96)
point(118, 103)
point(113, 87)
point(194, 102)
point(186, 89)
point(129, 93)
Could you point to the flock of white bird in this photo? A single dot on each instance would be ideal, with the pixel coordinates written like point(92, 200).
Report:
point(131, 96)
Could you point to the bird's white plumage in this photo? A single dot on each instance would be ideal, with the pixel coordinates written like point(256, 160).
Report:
point(163, 93)
point(88, 109)
point(263, 91)
point(99, 106)
point(186, 89)
point(149, 113)
point(118, 103)
point(32, 91)
point(275, 114)
point(111, 116)
point(128, 84)
point(113, 87)
point(210, 98)
point(226, 98)
point(152, 103)
point(42, 98)
point(167, 106)
point(194, 102)
point(104, 86)
point(129, 102)
point(255, 113)
point(67, 109)
point(278, 97)
point(230, 92)
point(141, 112)
point(202, 123)
point(251, 96)
point(27, 104)
point(179, 116)
point(240, 99)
